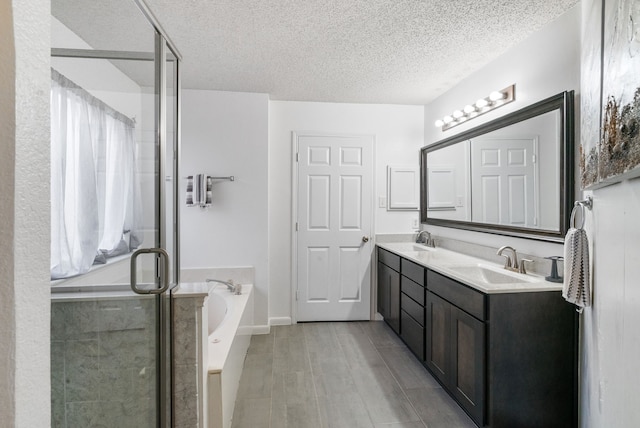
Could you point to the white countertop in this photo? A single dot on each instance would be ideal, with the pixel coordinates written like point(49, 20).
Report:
point(480, 274)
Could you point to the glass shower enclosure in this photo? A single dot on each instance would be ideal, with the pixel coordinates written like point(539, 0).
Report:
point(114, 182)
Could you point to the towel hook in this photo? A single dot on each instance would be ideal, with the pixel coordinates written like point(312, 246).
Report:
point(588, 203)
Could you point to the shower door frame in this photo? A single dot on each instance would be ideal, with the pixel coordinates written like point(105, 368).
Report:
point(165, 51)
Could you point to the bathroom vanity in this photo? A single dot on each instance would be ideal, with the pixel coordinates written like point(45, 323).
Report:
point(502, 344)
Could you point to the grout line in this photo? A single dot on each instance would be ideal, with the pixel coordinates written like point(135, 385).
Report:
point(313, 382)
point(273, 379)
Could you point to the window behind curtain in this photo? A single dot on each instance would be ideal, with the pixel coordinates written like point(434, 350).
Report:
point(95, 194)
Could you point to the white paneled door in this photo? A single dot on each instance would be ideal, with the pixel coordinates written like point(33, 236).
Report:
point(505, 181)
point(334, 226)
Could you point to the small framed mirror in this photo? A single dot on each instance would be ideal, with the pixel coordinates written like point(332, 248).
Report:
point(513, 176)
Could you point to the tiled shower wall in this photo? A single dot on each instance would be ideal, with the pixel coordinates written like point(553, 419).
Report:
point(103, 363)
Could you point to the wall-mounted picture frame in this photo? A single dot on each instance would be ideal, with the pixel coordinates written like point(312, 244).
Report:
point(610, 153)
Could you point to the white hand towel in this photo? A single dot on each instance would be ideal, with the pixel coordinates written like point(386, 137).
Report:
point(576, 269)
point(208, 191)
point(190, 201)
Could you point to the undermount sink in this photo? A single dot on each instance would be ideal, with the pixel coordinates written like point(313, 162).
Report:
point(410, 246)
point(490, 275)
point(419, 247)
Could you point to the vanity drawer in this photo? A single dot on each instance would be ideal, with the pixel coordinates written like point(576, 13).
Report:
point(412, 334)
point(412, 289)
point(413, 271)
point(467, 299)
point(389, 259)
point(408, 305)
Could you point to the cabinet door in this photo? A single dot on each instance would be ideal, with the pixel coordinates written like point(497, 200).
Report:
point(467, 362)
point(383, 290)
point(438, 346)
point(389, 296)
point(394, 301)
point(412, 334)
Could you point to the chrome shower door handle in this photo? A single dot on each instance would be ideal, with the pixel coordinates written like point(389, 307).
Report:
point(164, 271)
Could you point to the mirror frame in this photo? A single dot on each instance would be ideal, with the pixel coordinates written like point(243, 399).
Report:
point(564, 102)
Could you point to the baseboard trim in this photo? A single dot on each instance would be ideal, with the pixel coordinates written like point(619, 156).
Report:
point(280, 321)
point(261, 329)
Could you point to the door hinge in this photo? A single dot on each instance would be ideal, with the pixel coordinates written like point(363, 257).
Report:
point(297, 295)
point(296, 226)
point(533, 158)
point(297, 156)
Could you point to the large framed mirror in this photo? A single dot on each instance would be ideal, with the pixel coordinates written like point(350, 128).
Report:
point(513, 176)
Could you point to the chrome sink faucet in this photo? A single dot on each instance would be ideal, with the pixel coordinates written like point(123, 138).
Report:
point(429, 241)
point(234, 288)
point(511, 263)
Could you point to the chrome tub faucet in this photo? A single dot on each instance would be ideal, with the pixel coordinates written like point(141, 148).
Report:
point(234, 288)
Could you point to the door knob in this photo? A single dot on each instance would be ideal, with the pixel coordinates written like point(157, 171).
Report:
point(365, 239)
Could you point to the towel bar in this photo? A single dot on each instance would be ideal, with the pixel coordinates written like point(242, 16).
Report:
point(230, 178)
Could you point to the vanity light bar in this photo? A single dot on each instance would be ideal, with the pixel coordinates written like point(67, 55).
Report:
point(483, 105)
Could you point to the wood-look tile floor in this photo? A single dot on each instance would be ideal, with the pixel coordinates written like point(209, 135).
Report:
point(339, 374)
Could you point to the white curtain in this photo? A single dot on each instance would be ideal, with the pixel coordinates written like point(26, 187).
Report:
point(95, 200)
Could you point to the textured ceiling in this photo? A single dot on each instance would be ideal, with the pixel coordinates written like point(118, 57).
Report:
point(367, 51)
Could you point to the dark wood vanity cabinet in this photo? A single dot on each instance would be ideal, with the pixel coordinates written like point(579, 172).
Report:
point(509, 359)
point(438, 345)
point(412, 310)
point(389, 288)
point(401, 298)
point(456, 353)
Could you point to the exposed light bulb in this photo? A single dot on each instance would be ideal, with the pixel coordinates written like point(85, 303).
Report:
point(481, 106)
point(482, 103)
point(496, 95)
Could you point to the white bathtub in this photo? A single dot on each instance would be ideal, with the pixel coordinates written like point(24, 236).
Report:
point(230, 323)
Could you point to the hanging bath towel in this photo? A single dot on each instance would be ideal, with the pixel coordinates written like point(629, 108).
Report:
point(576, 269)
point(207, 193)
point(190, 201)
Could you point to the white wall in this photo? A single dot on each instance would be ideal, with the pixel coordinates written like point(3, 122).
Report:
point(24, 214)
point(610, 352)
point(398, 133)
point(541, 66)
point(223, 134)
